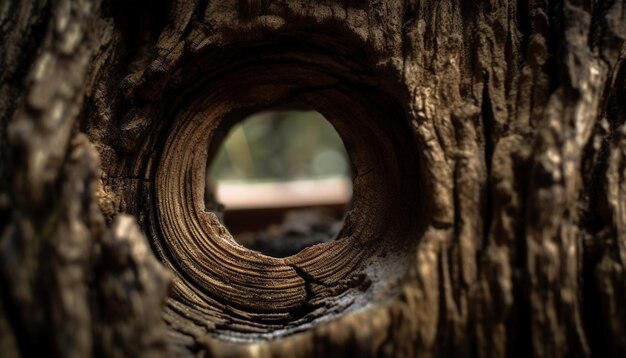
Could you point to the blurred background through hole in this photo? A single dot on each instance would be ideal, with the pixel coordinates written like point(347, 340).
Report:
point(280, 182)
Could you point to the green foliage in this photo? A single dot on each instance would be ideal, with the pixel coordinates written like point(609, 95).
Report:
point(281, 146)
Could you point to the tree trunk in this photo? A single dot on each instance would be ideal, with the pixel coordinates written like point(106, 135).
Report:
point(488, 144)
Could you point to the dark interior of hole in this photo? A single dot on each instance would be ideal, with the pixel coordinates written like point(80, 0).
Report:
point(278, 230)
point(297, 229)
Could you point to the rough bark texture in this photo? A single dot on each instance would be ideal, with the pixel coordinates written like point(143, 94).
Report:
point(487, 138)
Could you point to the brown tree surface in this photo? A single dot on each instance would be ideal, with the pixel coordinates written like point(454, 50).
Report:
point(488, 145)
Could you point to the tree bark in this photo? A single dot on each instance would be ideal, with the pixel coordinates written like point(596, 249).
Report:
point(488, 144)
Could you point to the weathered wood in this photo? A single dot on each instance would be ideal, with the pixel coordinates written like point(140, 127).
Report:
point(488, 141)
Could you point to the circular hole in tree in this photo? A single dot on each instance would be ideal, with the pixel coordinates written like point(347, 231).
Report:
point(280, 181)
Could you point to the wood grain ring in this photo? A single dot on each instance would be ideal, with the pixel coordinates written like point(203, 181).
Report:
point(240, 294)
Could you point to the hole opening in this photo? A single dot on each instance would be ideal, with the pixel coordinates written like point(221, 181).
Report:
point(280, 181)
point(216, 276)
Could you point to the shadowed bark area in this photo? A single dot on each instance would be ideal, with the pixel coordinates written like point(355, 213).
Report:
point(488, 146)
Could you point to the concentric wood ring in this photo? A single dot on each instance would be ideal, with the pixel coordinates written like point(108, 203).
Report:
point(238, 293)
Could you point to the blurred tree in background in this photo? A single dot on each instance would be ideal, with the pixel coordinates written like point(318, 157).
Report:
point(281, 146)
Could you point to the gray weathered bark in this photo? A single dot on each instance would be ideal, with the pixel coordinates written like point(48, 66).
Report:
point(488, 141)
